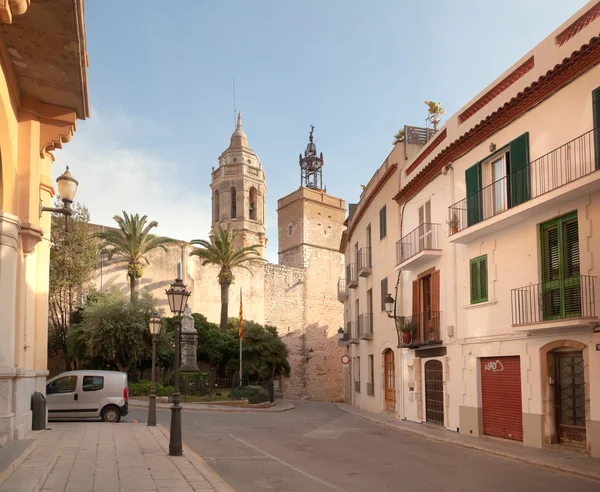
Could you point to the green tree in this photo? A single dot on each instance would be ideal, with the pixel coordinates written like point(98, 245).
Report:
point(73, 259)
point(132, 241)
point(264, 353)
point(115, 329)
point(220, 250)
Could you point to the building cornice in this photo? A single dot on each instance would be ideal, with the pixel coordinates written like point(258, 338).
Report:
point(562, 74)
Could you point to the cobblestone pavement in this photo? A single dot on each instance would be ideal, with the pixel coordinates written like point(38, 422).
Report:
point(124, 457)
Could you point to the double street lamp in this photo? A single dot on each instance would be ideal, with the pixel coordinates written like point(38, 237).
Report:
point(154, 324)
point(178, 296)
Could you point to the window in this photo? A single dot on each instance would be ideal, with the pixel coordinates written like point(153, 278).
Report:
point(290, 230)
point(371, 375)
point(479, 280)
point(93, 383)
point(62, 385)
point(233, 203)
point(384, 292)
point(252, 205)
point(382, 223)
point(358, 369)
point(499, 182)
point(425, 231)
point(561, 281)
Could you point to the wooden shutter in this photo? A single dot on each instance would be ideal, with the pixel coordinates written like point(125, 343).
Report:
point(483, 279)
point(384, 292)
point(518, 168)
point(473, 183)
point(415, 299)
point(551, 298)
point(596, 117)
point(435, 291)
point(570, 260)
point(474, 266)
point(421, 215)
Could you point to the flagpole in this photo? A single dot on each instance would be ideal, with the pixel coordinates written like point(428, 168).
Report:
point(241, 333)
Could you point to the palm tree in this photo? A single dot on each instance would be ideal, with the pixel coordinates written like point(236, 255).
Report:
point(132, 241)
point(220, 250)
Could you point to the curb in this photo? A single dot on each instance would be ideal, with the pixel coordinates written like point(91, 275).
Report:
point(215, 480)
point(502, 454)
point(223, 410)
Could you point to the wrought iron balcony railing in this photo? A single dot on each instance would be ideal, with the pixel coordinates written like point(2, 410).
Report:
point(364, 262)
point(419, 329)
point(365, 326)
point(571, 297)
point(352, 331)
point(351, 276)
point(425, 237)
point(567, 163)
point(342, 290)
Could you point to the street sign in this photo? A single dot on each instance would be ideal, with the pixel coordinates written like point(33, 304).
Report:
point(345, 359)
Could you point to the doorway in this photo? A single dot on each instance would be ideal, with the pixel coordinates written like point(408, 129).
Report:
point(390, 380)
point(570, 398)
point(434, 392)
point(426, 308)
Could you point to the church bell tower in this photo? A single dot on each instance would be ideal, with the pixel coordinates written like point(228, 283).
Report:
point(239, 191)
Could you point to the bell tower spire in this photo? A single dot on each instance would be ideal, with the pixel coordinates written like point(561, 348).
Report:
point(239, 191)
point(311, 166)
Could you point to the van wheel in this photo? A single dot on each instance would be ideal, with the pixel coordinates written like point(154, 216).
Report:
point(111, 414)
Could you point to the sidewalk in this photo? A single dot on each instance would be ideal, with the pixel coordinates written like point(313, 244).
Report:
point(280, 406)
point(574, 462)
point(100, 457)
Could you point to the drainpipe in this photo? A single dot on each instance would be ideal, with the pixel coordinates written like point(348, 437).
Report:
point(454, 282)
point(399, 292)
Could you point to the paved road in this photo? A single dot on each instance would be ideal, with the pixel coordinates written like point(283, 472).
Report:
point(318, 447)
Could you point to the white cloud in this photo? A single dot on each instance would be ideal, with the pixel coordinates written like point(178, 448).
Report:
point(114, 177)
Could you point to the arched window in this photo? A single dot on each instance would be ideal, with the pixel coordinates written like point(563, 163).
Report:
point(216, 206)
point(233, 203)
point(253, 204)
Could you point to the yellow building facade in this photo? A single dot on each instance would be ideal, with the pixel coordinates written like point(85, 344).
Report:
point(43, 91)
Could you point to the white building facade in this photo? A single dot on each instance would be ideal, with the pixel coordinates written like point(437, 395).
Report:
point(492, 259)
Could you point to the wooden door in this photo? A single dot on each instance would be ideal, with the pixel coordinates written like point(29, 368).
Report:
point(434, 392)
point(570, 399)
point(390, 380)
point(501, 397)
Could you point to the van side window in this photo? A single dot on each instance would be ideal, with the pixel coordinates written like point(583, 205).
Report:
point(62, 385)
point(93, 383)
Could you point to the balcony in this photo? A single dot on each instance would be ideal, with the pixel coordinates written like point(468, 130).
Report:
point(342, 290)
point(559, 176)
point(352, 331)
point(562, 303)
point(418, 246)
point(365, 326)
point(351, 276)
point(364, 262)
point(423, 329)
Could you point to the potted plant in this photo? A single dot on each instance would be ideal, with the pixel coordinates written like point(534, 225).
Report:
point(406, 329)
point(453, 222)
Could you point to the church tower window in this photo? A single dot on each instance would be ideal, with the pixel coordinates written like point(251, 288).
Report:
point(216, 206)
point(233, 203)
point(252, 205)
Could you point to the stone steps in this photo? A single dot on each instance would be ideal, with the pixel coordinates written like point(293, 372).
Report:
point(32, 471)
point(12, 455)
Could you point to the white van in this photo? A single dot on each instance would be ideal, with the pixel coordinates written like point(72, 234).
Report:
point(88, 395)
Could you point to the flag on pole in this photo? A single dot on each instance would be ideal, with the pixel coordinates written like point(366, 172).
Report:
point(241, 327)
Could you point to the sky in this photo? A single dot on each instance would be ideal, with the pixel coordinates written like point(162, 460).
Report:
point(160, 84)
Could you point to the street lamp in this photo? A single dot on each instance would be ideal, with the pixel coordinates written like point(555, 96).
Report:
point(389, 305)
point(178, 297)
point(341, 334)
point(67, 188)
point(154, 325)
point(399, 321)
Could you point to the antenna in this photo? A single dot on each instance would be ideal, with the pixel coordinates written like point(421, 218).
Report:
point(234, 111)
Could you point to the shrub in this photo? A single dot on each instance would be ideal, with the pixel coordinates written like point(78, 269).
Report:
point(254, 394)
point(142, 388)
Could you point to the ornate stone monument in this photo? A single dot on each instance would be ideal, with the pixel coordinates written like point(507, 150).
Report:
point(189, 343)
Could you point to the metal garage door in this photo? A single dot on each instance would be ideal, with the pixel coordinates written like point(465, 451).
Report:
point(501, 397)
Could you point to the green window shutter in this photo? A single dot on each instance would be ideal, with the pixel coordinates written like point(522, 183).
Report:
point(473, 183)
point(570, 237)
point(483, 279)
point(518, 168)
point(596, 111)
point(479, 279)
point(474, 281)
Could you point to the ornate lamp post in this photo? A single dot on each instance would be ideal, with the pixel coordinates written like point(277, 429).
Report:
point(390, 309)
point(154, 324)
point(178, 297)
point(67, 188)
